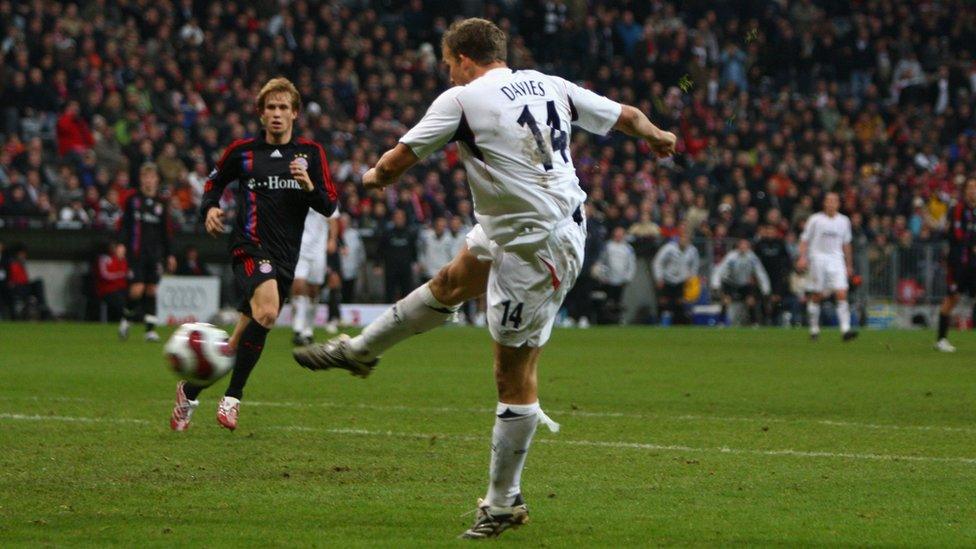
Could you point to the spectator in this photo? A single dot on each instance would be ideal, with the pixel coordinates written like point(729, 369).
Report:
point(776, 261)
point(171, 168)
point(674, 264)
point(741, 278)
point(74, 137)
point(398, 248)
point(17, 203)
point(617, 266)
point(29, 301)
point(353, 258)
point(190, 264)
point(436, 248)
point(111, 281)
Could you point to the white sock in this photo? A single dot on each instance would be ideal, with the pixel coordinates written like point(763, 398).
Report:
point(844, 316)
point(299, 313)
point(310, 317)
point(514, 426)
point(813, 311)
point(412, 315)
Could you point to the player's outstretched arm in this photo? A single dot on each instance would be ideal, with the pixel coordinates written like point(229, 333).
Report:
point(635, 123)
point(390, 167)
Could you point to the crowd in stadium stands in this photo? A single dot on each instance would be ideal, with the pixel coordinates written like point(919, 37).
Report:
point(775, 103)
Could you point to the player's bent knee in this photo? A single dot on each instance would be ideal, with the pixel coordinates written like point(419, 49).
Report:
point(445, 288)
point(265, 315)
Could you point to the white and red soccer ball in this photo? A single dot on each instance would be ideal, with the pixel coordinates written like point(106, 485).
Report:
point(199, 352)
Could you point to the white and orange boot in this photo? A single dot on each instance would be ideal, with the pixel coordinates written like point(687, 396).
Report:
point(227, 412)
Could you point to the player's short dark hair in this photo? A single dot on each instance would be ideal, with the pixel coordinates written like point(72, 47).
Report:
point(478, 39)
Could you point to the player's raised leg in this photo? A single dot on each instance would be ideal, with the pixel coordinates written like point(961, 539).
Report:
point(427, 307)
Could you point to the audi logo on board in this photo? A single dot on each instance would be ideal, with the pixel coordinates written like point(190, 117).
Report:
point(183, 297)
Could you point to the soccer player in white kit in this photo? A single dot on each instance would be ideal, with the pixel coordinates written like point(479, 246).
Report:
point(526, 251)
point(825, 248)
point(310, 274)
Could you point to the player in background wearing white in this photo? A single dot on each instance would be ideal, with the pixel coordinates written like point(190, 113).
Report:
point(825, 248)
point(513, 128)
point(319, 236)
point(436, 248)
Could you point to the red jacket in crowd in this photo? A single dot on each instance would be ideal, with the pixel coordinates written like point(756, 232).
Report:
point(17, 274)
point(73, 134)
point(112, 275)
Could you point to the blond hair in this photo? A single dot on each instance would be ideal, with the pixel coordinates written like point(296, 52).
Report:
point(279, 85)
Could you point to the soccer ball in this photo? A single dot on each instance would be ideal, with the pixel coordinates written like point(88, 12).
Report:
point(199, 352)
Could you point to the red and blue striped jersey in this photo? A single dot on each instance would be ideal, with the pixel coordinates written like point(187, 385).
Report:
point(145, 228)
point(271, 205)
point(962, 235)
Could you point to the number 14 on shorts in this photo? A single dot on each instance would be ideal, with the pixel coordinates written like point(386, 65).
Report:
point(513, 315)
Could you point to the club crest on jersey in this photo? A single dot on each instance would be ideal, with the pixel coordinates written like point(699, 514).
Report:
point(264, 266)
point(302, 160)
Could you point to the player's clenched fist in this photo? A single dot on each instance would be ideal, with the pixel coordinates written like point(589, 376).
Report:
point(370, 180)
point(214, 222)
point(299, 170)
point(663, 144)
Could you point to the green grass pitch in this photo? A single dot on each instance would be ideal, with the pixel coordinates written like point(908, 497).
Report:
point(669, 437)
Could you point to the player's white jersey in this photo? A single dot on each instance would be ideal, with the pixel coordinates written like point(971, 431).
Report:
point(513, 128)
point(315, 236)
point(825, 236)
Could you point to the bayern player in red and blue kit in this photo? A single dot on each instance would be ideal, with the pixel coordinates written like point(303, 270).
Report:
point(961, 263)
point(279, 177)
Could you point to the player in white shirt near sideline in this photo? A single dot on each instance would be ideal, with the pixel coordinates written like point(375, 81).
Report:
point(319, 234)
point(825, 248)
point(526, 251)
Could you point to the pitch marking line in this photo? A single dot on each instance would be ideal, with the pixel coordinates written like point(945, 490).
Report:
point(73, 419)
point(553, 441)
point(577, 413)
point(580, 413)
point(646, 446)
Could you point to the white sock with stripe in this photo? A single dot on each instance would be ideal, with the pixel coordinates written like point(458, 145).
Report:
point(813, 312)
point(844, 316)
point(515, 425)
point(299, 313)
point(310, 317)
point(412, 315)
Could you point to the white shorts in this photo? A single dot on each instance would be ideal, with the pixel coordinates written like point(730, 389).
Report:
point(525, 290)
point(311, 267)
point(826, 275)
